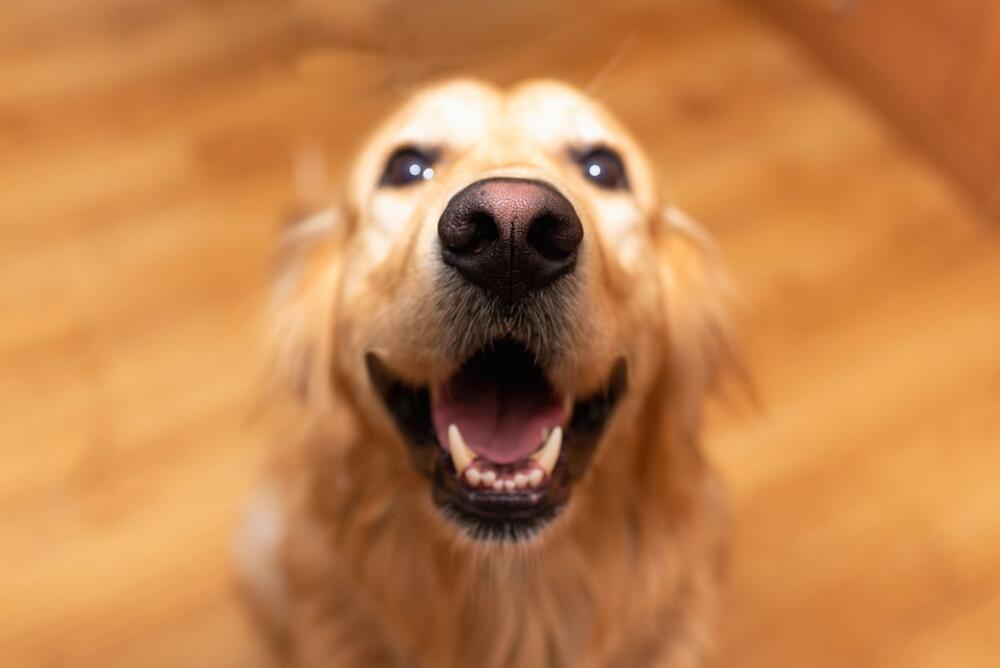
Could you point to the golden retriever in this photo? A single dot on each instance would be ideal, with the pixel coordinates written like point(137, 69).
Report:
point(490, 360)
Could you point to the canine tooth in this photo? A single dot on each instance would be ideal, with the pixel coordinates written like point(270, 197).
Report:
point(489, 478)
point(473, 476)
point(461, 455)
point(520, 481)
point(498, 485)
point(535, 478)
point(549, 453)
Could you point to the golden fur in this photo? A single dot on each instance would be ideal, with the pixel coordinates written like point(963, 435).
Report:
point(363, 569)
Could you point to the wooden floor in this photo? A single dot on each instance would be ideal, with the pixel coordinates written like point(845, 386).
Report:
point(145, 153)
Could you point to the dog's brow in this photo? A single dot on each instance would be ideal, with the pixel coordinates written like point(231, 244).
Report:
point(424, 145)
point(439, 122)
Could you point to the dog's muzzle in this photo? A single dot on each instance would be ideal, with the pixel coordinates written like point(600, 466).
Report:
point(500, 443)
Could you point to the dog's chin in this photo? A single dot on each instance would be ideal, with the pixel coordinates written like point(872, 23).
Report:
point(500, 446)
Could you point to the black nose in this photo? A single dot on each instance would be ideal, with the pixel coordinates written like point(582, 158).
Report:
point(510, 236)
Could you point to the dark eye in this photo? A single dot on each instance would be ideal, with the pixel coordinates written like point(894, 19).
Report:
point(408, 165)
point(603, 167)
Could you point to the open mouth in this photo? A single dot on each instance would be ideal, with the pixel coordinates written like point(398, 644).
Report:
point(500, 444)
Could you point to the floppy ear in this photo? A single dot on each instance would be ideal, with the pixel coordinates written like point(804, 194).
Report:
point(696, 298)
point(303, 306)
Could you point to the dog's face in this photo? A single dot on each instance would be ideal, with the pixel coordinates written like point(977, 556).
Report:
point(500, 296)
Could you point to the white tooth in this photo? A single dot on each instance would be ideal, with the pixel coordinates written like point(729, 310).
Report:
point(473, 476)
point(535, 478)
point(520, 481)
point(461, 455)
point(489, 478)
point(549, 453)
point(498, 485)
point(508, 485)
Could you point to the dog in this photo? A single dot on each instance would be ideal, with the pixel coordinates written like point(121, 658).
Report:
point(489, 361)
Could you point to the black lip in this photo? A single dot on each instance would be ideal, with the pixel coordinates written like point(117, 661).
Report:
point(486, 514)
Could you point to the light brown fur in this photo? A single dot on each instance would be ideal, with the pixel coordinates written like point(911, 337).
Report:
point(367, 572)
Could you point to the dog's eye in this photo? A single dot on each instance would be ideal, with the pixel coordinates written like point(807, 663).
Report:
point(408, 165)
point(604, 167)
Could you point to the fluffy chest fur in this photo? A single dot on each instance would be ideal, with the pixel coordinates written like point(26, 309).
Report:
point(628, 578)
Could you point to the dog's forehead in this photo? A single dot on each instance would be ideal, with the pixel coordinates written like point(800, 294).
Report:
point(549, 112)
point(461, 113)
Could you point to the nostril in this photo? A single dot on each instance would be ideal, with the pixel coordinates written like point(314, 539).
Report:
point(485, 231)
point(469, 234)
point(555, 237)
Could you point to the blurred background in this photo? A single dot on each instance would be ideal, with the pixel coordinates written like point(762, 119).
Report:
point(845, 153)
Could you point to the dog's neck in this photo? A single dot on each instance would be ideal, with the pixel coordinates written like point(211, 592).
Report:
point(430, 591)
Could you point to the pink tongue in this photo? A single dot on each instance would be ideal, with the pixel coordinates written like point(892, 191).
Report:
point(500, 419)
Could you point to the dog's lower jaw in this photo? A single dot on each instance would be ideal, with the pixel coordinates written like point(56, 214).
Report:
point(376, 575)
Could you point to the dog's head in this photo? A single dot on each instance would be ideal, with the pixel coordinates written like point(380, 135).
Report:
point(503, 296)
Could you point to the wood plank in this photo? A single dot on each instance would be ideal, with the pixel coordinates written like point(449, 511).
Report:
point(146, 151)
point(931, 65)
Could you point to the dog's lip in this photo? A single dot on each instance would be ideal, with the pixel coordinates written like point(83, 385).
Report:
point(491, 513)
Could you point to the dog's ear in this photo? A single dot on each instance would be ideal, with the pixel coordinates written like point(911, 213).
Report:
point(697, 295)
point(302, 314)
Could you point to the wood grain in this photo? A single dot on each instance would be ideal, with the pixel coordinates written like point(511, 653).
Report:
point(145, 157)
point(933, 65)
